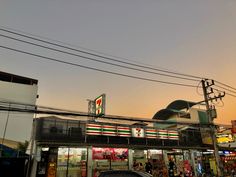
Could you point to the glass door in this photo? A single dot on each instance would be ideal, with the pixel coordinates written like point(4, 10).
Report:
point(72, 162)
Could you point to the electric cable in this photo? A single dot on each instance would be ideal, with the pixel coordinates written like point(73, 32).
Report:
point(83, 114)
point(7, 102)
point(225, 88)
point(83, 48)
point(36, 109)
point(93, 59)
point(225, 85)
point(37, 38)
point(96, 55)
point(96, 69)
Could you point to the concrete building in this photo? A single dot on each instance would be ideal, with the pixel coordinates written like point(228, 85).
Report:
point(16, 92)
point(181, 111)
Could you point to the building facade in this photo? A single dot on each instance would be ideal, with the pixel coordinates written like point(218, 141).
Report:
point(16, 92)
point(84, 148)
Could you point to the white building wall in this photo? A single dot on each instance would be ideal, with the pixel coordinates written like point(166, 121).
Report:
point(19, 124)
point(194, 117)
point(194, 114)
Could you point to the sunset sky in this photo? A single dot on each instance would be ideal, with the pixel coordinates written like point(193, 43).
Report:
point(191, 37)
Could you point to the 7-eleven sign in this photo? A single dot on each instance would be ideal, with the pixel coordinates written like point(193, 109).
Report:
point(138, 132)
point(100, 105)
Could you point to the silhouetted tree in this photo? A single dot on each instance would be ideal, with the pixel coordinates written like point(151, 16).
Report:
point(22, 147)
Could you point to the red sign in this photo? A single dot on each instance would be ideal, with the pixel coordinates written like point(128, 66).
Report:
point(233, 126)
point(100, 105)
point(110, 153)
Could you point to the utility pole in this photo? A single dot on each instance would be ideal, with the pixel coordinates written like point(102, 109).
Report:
point(207, 91)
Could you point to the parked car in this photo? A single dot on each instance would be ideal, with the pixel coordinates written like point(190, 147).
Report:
point(124, 173)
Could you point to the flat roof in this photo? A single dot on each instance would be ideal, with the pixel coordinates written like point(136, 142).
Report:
point(7, 77)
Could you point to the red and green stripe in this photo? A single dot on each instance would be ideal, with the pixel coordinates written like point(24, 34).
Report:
point(94, 129)
point(173, 135)
point(109, 130)
point(123, 131)
point(162, 134)
point(151, 133)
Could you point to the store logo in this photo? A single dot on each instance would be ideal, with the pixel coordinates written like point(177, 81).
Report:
point(100, 105)
point(138, 132)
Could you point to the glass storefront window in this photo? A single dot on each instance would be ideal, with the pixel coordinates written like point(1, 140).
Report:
point(71, 162)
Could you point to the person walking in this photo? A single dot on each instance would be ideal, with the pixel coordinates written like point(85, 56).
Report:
point(148, 167)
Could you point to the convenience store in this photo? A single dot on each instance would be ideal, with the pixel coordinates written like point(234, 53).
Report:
point(82, 148)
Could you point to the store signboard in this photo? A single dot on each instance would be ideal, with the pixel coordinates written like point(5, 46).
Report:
point(125, 131)
point(233, 126)
point(138, 132)
point(100, 105)
point(224, 138)
point(110, 153)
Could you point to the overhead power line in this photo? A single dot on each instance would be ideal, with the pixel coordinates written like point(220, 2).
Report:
point(67, 46)
point(225, 85)
point(97, 55)
point(83, 48)
point(93, 59)
point(227, 93)
point(84, 114)
point(230, 94)
point(225, 89)
point(96, 69)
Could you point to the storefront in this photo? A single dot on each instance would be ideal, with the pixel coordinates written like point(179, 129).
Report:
point(90, 161)
point(82, 149)
point(228, 159)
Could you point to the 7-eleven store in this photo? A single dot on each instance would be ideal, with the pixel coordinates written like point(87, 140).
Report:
point(82, 149)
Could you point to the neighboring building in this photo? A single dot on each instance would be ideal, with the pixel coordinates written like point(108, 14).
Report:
point(226, 136)
point(181, 111)
point(186, 116)
point(10, 143)
point(16, 92)
point(234, 130)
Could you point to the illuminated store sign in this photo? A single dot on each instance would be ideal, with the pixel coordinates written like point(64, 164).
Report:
point(110, 153)
point(137, 132)
point(100, 105)
point(224, 138)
